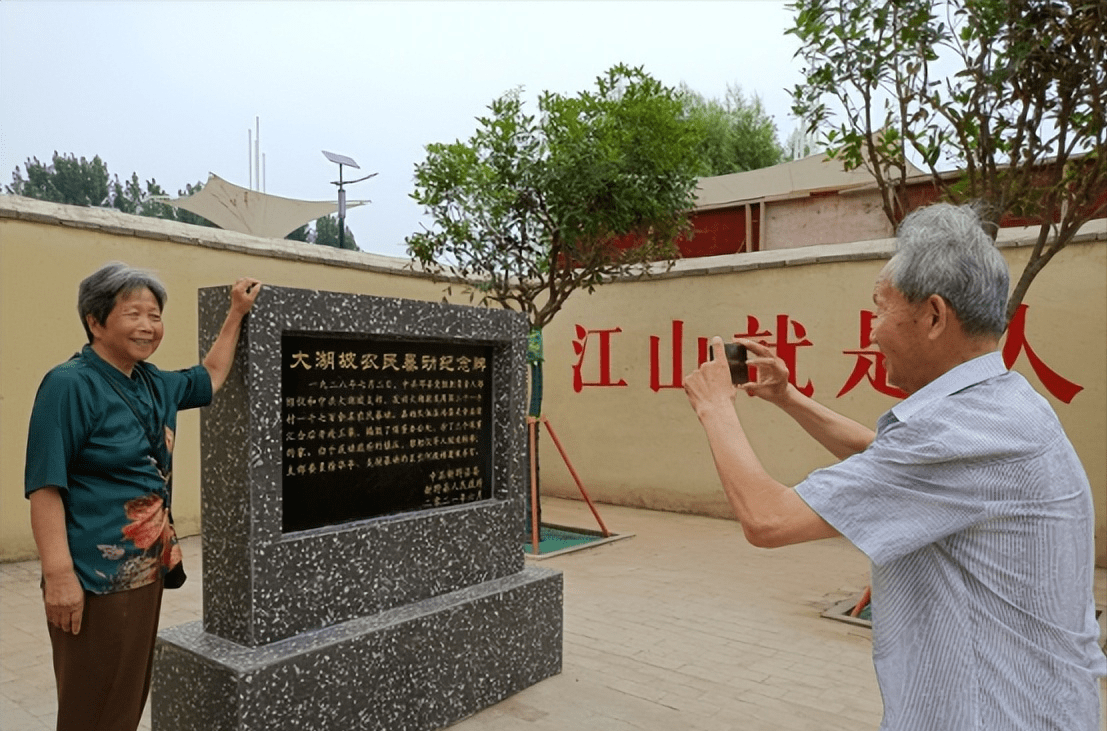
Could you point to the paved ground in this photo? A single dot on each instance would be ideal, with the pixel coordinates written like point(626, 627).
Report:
point(682, 627)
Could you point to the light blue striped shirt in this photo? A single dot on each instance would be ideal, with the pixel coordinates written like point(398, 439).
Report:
point(977, 516)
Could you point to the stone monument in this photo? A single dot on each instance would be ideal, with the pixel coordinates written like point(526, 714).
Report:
point(363, 471)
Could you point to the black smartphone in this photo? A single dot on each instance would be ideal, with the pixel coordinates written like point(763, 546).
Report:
point(736, 359)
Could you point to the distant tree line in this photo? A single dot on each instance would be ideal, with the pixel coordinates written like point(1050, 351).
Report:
point(81, 182)
point(735, 133)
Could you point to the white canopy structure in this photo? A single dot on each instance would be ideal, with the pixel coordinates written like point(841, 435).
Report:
point(253, 212)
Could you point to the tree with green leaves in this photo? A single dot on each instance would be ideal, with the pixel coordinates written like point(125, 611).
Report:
point(67, 179)
point(737, 134)
point(1011, 95)
point(81, 182)
point(131, 197)
point(323, 231)
point(530, 209)
point(326, 234)
point(303, 233)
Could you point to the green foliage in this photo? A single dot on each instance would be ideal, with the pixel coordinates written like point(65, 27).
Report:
point(737, 133)
point(1020, 112)
point(303, 233)
point(80, 182)
point(75, 182)
point(528, 210)
point(326, 234)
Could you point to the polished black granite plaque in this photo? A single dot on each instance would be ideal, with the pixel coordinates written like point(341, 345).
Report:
point(376, 426)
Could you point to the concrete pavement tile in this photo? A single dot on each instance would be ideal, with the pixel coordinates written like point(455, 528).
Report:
point(41, 707)
point(814, 701)
point(657, 660)
point(614, 666)
point(702, 707)
point(689, 687)
point(804, 678)
point(19, 720)
point(518, 710)
point(650, 693)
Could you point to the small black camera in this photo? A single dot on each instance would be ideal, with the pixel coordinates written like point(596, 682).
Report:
point(736, 359)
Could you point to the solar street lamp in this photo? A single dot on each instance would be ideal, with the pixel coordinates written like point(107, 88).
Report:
point(341, 160)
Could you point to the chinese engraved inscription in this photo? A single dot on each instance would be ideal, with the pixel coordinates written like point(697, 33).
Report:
point(372, 427)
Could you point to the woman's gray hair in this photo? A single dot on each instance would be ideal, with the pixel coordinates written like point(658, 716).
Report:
point(100, 291)
point(943, 249)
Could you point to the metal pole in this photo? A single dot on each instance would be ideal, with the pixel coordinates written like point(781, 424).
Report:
point(576, 477)
point(341, 211)
point(257, 155)
point(532, 428)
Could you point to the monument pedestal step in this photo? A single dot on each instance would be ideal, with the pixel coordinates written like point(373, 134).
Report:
point(413, 668)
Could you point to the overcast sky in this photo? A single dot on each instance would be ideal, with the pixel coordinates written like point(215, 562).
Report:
point(170, 90)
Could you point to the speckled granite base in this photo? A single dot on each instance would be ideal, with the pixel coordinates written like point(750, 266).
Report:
point(400, 621)
point(419, 667)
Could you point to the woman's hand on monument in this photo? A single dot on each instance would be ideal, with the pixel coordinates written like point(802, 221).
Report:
point(243, 294)
point(221, 356)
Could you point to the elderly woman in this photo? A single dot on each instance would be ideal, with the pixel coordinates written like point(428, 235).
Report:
point(99, 463)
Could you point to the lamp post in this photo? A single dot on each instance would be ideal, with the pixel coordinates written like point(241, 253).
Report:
point(341, 160)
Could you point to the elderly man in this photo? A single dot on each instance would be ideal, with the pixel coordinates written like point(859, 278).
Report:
point(969, 499)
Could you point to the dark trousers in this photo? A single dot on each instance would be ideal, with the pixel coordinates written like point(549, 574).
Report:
point(103, 673)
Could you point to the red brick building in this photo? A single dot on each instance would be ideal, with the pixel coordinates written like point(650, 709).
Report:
point(800, 203)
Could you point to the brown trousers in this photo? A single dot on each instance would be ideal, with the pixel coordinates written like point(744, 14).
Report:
point(103, 673)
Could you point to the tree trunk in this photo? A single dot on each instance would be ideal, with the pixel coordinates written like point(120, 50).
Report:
point(1028, 273)
point(1038, 260)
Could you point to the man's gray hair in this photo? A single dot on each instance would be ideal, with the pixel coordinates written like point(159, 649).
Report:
point(100, 291)
point(943, 249)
